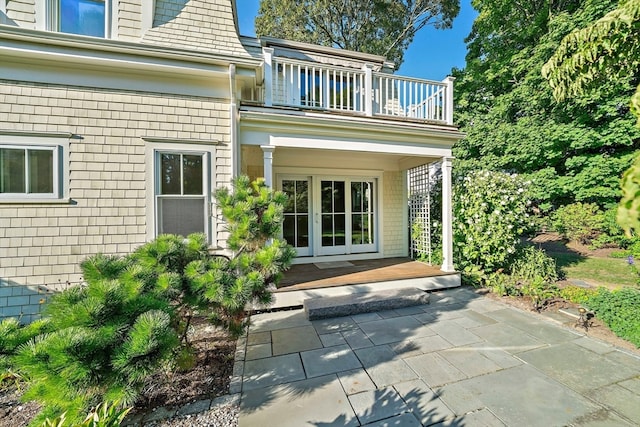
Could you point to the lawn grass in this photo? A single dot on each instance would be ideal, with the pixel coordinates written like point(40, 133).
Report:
point(612, 273)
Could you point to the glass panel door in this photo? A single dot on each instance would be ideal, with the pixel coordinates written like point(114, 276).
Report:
point(362, 216)
point(333, 217)
point(295, 228)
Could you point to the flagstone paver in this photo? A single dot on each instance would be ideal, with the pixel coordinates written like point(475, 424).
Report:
point(329, 360)
point(573, 366)
point(520, 396)
point(314, 402)
point(375, 405)
point(272, 370)
point(355, 381)
point(293, 340)
point(508, 338)
point(461, 360)
point(424, 403)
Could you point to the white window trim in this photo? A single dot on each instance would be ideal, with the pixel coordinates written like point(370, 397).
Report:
point(59, 144)
point(3, 6)
point(47, 17)
point(152, 150)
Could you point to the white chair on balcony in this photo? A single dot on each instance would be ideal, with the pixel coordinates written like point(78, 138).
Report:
point(393, 108)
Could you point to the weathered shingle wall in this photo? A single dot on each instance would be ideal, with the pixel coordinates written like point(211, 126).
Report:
point(42, 244)
point(394, 213)
point(205, 25)
point(129, 20)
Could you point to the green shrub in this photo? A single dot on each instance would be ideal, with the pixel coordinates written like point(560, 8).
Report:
point(620, 310)
point(577, 294)
point(104, 339)
point(533, 263)
point(582, 222)
point(502, 284)
point(539, 291)
point(491, 213)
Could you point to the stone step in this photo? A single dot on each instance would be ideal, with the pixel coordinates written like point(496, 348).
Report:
point(365, 302)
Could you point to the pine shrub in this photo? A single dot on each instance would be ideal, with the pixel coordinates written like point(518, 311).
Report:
point(102, 340)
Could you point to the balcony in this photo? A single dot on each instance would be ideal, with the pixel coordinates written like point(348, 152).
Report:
point(310, 85)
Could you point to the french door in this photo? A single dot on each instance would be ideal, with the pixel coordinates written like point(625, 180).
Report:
point(330, 215)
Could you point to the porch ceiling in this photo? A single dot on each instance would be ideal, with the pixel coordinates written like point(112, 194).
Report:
point(331, 159)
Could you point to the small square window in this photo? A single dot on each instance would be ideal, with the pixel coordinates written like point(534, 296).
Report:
point(29, 172)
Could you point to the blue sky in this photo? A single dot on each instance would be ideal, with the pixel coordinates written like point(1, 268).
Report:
point(432, 54)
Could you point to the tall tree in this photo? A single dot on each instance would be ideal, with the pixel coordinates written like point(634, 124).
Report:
point(607, 48)
point(381, 27)
point(572, 151)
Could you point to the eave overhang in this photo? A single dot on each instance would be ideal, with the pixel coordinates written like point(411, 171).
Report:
point(24, 45)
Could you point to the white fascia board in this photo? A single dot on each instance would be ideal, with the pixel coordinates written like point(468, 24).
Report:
point(50, 41)
point(375, 129)
point(26, 52)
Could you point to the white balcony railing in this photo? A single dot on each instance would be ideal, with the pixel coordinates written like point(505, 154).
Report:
point(311, 85)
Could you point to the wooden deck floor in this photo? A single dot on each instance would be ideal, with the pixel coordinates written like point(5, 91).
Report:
point(324, 275)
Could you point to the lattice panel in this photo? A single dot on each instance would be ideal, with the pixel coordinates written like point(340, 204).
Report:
point(420, 212)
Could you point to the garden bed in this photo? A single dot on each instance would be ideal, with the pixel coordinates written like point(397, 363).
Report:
point(208, 378)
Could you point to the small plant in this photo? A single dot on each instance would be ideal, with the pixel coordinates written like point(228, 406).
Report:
point(540, 291)
point(533, 263)
point(577, 294)
point(105, 415)
point(502, 284)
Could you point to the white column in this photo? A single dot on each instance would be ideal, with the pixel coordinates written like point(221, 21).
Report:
point(447, 217)
point(368, 89)
point(267, 155)
point(449, 99)
point(267, 53)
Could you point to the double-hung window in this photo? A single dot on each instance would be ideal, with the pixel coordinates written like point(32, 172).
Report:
point(30, 171)
point(83, 17)
point(182, 192)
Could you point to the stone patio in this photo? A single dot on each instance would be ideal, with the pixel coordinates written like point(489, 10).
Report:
point(461, 360)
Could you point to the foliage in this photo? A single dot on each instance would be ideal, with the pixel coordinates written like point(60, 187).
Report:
point(582, 222)
point(105, 415)
point(104, 339)
point(533, 263)
point(571, 151)
point(620, 310)
point(629, 208)
point(539, 291)
point(577, 294)
point(381, 27)
point(491, 212)
point(501, 284)
point(253, 216)
point(607, 49)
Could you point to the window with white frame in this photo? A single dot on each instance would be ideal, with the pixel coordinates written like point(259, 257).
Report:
point(182, 192)
point(30, 171)
point(83, 17)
